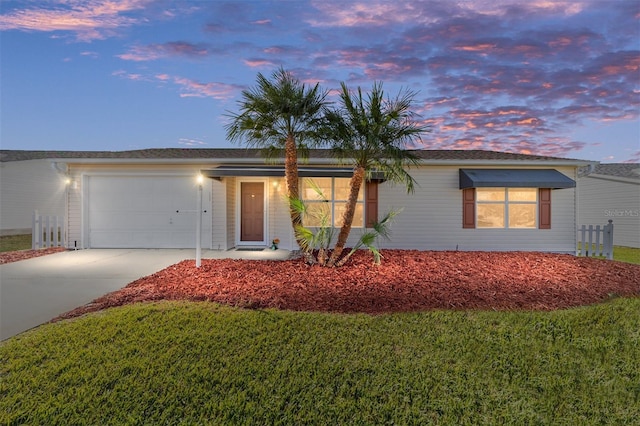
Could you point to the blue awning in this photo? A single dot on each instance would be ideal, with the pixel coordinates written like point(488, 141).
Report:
point(514, 178)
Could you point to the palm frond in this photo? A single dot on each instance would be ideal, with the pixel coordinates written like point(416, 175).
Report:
point(297, 205)
point(276, 108)
point(382, 227)
point(373, 132)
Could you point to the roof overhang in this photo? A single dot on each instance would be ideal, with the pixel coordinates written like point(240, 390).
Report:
point(612, 178)
point(227, 170)
point(514, 178)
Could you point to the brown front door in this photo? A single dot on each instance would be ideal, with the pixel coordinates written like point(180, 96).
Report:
point(252, 211)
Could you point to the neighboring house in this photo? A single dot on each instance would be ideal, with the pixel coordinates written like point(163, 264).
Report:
point(29, 183)
point(611, 191)
point(463, 200)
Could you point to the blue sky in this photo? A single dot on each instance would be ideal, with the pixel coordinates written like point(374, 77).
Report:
point(542, 77)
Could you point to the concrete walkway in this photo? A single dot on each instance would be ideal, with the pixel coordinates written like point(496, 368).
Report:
point(37, 290)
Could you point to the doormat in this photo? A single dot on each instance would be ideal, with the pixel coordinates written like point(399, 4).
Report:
point(249, 249)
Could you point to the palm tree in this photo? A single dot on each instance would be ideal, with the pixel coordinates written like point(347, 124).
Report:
point(372, 134)
point(279, 114)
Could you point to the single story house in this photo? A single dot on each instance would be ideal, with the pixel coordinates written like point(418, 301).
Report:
point(611, 191)
point(463, 200)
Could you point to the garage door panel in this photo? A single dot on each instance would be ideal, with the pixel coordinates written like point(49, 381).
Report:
point(144, 212)
point(110, 239)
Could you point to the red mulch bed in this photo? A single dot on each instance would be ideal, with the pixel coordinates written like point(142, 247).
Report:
point(15, 256)
point(405, 281)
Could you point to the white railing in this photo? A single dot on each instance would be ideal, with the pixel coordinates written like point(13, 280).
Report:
point(589, 240)
point(47, 231)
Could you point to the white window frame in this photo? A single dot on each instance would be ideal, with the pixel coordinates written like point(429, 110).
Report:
point(506, 203)
point(333, 202)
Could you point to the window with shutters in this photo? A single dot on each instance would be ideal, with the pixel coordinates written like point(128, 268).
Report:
point(327, 198)
point(506, 207)
point(510, 208)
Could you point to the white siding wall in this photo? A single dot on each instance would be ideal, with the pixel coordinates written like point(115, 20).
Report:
point(75, 213)
point(279, 218)
point(26, 186)
point(231, 211)
point(219, 240)
point(601, 199)
point(431, 218)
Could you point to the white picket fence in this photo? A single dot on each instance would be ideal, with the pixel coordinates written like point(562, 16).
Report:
point(47, 231)
point(589, 240)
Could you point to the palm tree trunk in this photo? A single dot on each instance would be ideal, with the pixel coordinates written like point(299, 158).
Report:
point(291, 179)
point(347, 218)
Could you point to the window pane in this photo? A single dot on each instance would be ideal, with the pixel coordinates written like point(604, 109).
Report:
point(316, 189)
point(342, 189)
point(490, 194)
point(318, 214)
point(358, 215)
point(523, 194)
point(490, 215)
point(522, 215)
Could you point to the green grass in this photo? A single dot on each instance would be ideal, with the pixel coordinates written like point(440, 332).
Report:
point(620, 253)
point(200, 363)
point(626, 254)
point(15, 242)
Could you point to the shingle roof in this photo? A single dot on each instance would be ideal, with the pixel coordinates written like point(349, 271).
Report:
point(240, 153)
point(153, 153)
point(620, 170)
point(444, 154)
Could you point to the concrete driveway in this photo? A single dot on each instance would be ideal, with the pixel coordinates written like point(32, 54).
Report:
point(34, 291)
point(37, 290)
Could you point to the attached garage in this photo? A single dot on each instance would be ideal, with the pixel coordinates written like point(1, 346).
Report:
point(151, 211)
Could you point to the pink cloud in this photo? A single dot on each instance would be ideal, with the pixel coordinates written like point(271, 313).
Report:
point(158, 51)
point(89, 54)
point(477, 47)
point(130, 76)
point(540, 7)
point(555, 147)
point(192, 88)
point(258, 63)
point(89, 20)
point(634, 158)
point(188, 88)
point(352, 14)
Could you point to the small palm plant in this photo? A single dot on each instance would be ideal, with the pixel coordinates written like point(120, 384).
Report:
point(369, 239)
point(316, 240)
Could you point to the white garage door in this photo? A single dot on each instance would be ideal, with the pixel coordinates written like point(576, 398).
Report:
point(146, 212)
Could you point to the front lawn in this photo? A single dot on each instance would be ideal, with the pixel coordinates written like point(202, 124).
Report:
point(15, 242)
point(202, 363)
point(626, 254)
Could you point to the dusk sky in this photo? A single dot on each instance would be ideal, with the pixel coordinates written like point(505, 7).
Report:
point(537, 77)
